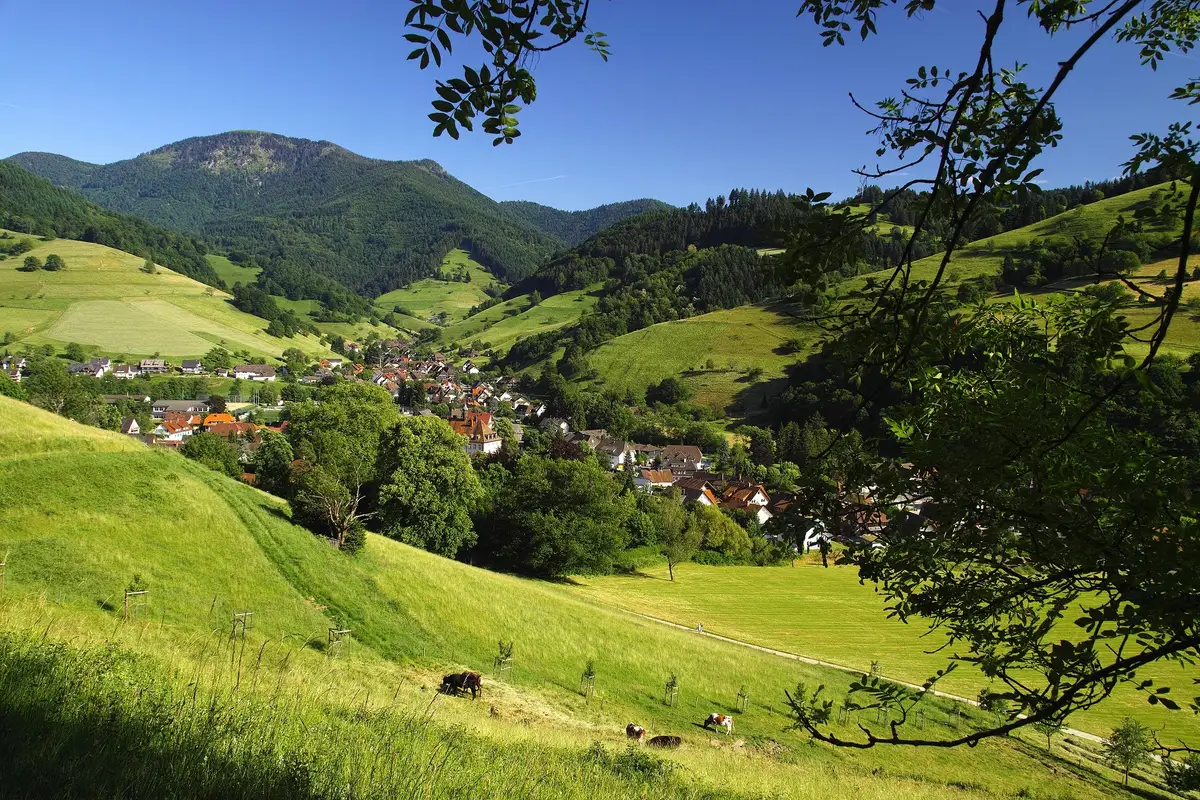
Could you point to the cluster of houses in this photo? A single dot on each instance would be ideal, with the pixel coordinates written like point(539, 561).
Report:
point(15, 366)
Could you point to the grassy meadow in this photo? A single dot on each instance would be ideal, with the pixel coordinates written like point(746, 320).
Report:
point(104, 301)
point(500, 326)
point(827, 614)
point(734, 340)
point(278, 711)
point(429, 297)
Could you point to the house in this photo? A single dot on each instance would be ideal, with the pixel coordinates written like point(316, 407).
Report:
point(650, 479)
point(469, 368)
point(161, 408)
point(353, 347)
point(94, 368)
point(682, 459)
point(126, 371)
point(130, 427)
point(192, 366)
point(620, 453)
point(697, 490)
point(751, 497)
point(254, 372)
point(13, 363)
point(550, 424)
point(152, 366)
point(217, 419)
point(236, 430)
point(171, 431)
point(481, 436)
point(121, 398)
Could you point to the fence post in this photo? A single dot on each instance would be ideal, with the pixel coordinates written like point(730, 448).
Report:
point(128, 607)
point(3, 567)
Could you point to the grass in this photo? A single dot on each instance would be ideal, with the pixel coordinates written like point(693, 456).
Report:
point(735, 340)
point(829, 615)
point(103, 300)
point(500, 326)
point(85, 510)
point(432, 296)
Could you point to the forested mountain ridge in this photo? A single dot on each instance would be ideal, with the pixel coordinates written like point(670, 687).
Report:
point(574, 227)
point(30, 204)
point(297, 207)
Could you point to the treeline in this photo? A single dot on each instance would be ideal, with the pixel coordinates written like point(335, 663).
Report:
point(33, 205)
point(574, 227)
point(282, 322)
point(749, 218)
point(648, 289)
point(991, 219)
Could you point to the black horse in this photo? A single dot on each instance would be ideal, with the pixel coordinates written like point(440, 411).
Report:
point(463, 682)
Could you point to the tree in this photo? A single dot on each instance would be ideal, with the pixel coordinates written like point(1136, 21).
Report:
point(1049, 728)
point(75, 352)
point(338, 442)
point(213, 451)
point(32, 264)
point(668, 391)
point(217, 403)
point(273, 463)
point(49, 386)
point(296, 361)
point(1182, 775)
point(551, 517)
point(218, 358)
point(535, 298)
point(54, 263)
point(1128, 746)
point(678, 538)
point(427, 486)
point(719, 533)
point(148, 266)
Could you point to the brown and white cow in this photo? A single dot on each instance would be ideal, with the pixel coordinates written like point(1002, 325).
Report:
point(719, 720)
point(635, 732)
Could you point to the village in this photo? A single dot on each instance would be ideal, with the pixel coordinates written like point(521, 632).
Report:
point(478, 405)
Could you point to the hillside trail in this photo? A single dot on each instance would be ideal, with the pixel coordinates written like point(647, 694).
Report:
point(1091, 737)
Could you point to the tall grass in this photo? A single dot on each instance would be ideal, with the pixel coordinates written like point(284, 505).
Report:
point(104, 722)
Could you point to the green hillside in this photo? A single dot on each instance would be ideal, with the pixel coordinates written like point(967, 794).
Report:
point(34, 205)
point(574, 226)
point(104, 301)
point(735, 341)
point(503, 324)
point(446, 294)
point(772, 607)
point(183, 706)
point(369, 224)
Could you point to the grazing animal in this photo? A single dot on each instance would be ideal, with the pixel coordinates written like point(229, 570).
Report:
point(721, 721)
point(463, 682)
point(667, 742)
point(635, 732)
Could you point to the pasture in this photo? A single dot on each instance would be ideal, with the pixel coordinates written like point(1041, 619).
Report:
point(500, 326)
point(827, 614)
point(430, 297)
point(95, 510)
point(734, 341)
point(104, 301)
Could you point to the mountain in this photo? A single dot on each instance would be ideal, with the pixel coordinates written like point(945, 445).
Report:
point(297, 208)
point(29, 204)
point(575, 226)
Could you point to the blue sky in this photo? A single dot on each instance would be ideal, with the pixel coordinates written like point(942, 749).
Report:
point(695, 100)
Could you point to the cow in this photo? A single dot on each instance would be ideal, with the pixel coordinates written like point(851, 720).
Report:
point(463, 682)
point(666, 742)
point(636, 732)
point(719, 720)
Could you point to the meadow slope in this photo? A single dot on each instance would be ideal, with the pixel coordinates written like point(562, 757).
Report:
point(84, 512)
point(104, 301)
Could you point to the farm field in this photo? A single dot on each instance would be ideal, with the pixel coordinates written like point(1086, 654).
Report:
point(104, 301)
point(95, 510)
point(429, 297)
point(734, 340)
point(500, 326)
point(827, 614)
